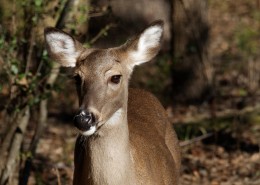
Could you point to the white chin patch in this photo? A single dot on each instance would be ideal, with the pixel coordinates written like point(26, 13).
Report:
point(89, 132)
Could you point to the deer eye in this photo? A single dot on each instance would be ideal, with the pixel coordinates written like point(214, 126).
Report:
point(116, 79)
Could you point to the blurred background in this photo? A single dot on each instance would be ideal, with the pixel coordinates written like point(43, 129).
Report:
point(207, 76)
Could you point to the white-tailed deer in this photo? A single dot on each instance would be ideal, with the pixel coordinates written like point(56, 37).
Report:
point(125, 137)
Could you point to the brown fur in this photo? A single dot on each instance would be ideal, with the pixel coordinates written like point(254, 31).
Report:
point(154, 148)
point(134, 143)
point(154, 143)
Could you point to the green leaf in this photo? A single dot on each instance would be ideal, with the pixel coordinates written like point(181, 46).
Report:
point(2, 40)
point(38, 2)
point(87, 45)
point(14, 69)
point(242, 92)
point(34, 19)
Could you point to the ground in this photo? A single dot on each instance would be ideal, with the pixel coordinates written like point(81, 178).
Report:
point(203, 163)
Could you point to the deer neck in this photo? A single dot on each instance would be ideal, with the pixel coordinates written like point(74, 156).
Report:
point(109, 153)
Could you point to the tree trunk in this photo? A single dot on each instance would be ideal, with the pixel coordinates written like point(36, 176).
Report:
point(191, 70)
point(13, 155)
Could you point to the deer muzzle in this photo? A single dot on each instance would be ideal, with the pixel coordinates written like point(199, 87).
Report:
point(84, 120)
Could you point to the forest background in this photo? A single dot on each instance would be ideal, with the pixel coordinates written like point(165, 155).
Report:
point(207, 76)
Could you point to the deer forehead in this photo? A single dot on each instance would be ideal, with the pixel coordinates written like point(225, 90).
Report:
point(99, 62)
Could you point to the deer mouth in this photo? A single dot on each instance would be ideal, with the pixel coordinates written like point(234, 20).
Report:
point(90, 131)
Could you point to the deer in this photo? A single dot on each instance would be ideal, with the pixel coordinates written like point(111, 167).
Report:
point(125, 137)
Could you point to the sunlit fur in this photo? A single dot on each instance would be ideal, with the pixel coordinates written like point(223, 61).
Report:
point(132, 142)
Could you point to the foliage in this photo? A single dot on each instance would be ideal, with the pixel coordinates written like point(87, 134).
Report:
point(247, 40)
point(26, 65)
point(23, 69)
point(27, 74)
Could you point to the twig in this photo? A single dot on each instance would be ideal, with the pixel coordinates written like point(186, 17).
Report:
point(25, 173)
point(64, 14)
point(98, 14)
point(39, 67)
point(30, 52)
point(54, 73)
point(101, 33)
point(50, 81)
point(7, 141)
point(43, 109)
point(197, 139)
point(58, 175)
point(43, 104)
point(13, 25)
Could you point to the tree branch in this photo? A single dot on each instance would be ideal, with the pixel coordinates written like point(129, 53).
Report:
point(10, 165)
point(43, 113)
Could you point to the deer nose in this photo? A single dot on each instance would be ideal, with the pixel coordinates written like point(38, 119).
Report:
point(84, 120)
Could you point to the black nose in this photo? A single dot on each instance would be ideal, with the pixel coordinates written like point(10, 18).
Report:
point(84, 120)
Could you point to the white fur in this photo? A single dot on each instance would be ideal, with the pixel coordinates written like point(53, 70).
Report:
point(60, 43)
point(91, 131)
point(150, 38)
point(82, 113)
point(115, 118)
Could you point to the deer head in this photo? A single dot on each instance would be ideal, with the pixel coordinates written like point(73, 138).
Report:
point(101, 75)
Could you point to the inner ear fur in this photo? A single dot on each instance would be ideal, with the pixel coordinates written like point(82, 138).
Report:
point(62, 47)
point(144, 46)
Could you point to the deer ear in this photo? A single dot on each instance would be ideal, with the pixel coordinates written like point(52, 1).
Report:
point(145, 46)
point(62, 47)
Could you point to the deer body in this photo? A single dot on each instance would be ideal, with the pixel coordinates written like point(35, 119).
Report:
point(138, 162)
point(125, 137)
